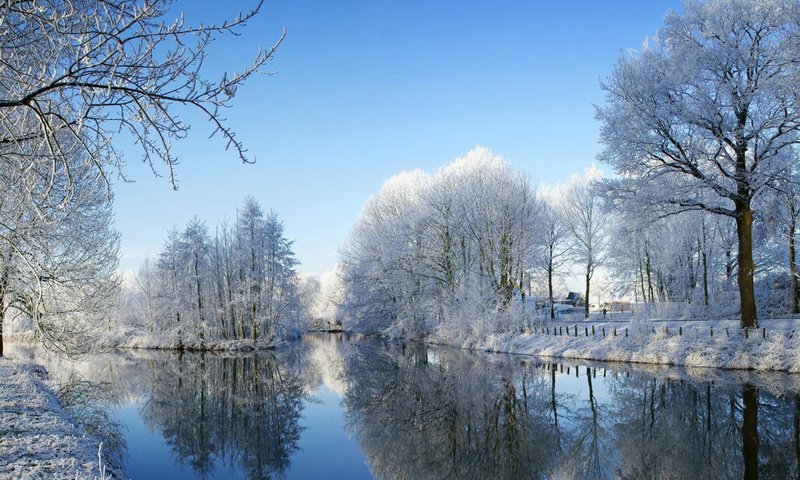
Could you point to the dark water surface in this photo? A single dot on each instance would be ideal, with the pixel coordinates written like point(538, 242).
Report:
point(334, 406)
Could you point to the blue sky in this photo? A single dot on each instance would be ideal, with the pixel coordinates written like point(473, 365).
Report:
point(365, 89)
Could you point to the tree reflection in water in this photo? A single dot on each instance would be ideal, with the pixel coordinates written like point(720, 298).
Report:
point(444, 413)
point(243, 411)
point(421, 412)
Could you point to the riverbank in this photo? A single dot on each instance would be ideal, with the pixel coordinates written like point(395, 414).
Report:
point(159, 342)
point(38, 438)
point(776, 347)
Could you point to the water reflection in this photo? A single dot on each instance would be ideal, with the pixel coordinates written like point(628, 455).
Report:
point(243, 411)
point(453, 414)
point(419, 412)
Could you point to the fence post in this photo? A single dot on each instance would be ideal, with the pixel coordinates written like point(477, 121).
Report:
point(615, 331)
point(604, 331)
point(626, 332)
point(746, 333)
point(593, 330)
point(712, 331)
point(586, 329)
point(764, 332)
point(680, 331)
point(576, 330)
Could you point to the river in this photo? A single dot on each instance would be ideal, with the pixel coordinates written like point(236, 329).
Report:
point(339, 406)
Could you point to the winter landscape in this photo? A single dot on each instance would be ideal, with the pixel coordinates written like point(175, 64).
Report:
point(480, 241)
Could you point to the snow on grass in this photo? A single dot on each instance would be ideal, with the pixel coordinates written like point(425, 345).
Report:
point(38, 438)
point(164, 342)
point(696, 347)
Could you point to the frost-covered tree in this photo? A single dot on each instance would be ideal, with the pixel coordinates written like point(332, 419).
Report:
point(58, 256)
point(705, 115)
point(431, 249)
point(779, 211)
point(555, 245)
point(195, 262)
point(587, 224)
point(240, 283)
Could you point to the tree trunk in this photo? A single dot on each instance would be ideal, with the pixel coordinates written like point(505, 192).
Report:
point(3, 287)
point(793, 260)
point(586, 300)
point(199, 297)
point(705, 278)
point(744, 231)
point(641, 282)
point(550, 290)
point(649, 271)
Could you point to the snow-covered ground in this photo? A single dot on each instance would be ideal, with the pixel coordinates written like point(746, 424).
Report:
point(165, 342)
point(38, 438)
point(717, 344)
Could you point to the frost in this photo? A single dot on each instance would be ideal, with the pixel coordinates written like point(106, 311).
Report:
point(38, 438)
point(695, 347)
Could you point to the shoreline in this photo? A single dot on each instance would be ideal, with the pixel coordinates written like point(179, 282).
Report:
point(773, 351)
point(39, 438)
point(709, 344)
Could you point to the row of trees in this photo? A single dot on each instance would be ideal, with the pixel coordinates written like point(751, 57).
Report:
point(462, 250)
point(239, 283)
point(692, 258)
point(431, 250)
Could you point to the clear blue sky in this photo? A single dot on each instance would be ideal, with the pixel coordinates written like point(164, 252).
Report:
point(365, 89)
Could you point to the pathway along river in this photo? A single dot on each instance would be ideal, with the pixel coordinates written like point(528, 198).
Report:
point(334, 406)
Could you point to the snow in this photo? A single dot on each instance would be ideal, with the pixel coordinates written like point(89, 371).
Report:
point(38, 438)
point(134, 338)
point(695, 347)
point(171, 342)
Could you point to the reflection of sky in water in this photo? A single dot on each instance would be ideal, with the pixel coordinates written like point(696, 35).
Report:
point(569, 384)
point(148, 455)
point(325, 450)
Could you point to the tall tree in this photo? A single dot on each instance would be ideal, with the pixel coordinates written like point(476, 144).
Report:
point(587, 224)
point(703, 117)
point(555, 248)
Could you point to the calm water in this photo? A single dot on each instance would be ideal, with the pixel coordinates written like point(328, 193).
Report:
point(350, 408)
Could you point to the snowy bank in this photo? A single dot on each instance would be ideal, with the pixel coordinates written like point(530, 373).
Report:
point(162, 342)
point(38, 438)
point(708, 346)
